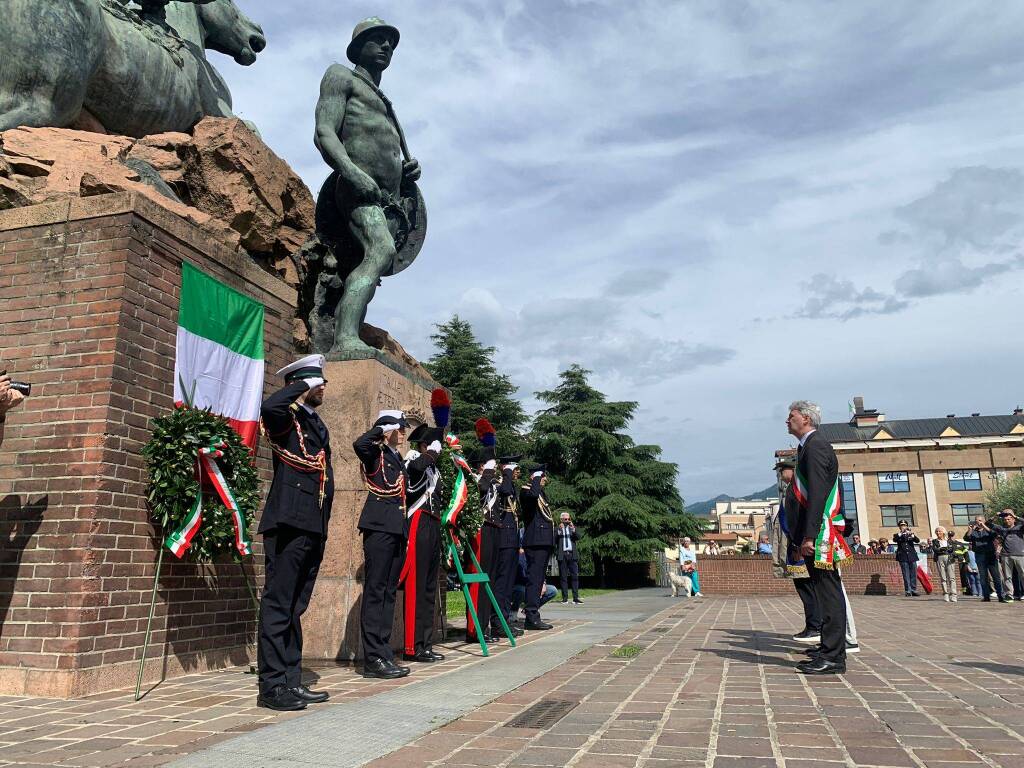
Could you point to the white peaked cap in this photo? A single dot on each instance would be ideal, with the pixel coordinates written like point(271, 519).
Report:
point(392, 414)
point(310, 366)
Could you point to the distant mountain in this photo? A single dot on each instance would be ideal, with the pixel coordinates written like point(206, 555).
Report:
point(703, 508)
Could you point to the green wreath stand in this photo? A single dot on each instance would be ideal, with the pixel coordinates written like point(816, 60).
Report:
point(190, 451)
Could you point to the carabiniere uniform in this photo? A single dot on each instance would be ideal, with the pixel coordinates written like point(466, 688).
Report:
point(508, 538)
point(382, 524)
point(485, 547)
point(422, 557)
point(539, 543)
point(294, 529)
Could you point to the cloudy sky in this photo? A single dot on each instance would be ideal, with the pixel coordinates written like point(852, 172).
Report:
point(716, 207)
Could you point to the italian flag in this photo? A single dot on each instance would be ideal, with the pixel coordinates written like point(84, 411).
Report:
point(219, 360)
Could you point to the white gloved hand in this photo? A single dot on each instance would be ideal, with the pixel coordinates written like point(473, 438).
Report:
point(389, 428)
point(313, 383)
point(435, 447)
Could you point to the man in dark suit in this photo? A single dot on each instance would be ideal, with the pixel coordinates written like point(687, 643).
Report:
point(423, 555)
point(382, 524)
point(508, 539)
point(817, 491)
point(538, 541)
point(567, 552)
point(294, 529)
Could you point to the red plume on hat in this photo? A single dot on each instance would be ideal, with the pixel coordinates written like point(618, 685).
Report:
point(441, 405)
point(486, 433)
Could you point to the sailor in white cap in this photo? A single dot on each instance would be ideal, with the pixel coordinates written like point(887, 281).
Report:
point(382, 524)
point(294, 529)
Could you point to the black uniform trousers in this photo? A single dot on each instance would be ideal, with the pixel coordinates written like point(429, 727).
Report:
point(828, 594)
point(419, 623)
point(292, 559)
point(383, 554)
point(536, 565)
point(812, 617)
point(506, 565)
point(569, 575)
point(488, 560)
point(988, 573)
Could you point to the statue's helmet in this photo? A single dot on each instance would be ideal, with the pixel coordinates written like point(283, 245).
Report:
point(365, 27)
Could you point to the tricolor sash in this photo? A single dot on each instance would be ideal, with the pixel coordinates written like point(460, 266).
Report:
point(830, 548)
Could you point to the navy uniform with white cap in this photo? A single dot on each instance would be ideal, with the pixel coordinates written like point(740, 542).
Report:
point(539, 543)
point(294, 528)
point(507, 563)
point(382, 524)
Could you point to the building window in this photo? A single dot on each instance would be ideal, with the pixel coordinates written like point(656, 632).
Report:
point(965, 513)
point(893, 482)
point(849, 498)
point(893, 513)
point(964, 479)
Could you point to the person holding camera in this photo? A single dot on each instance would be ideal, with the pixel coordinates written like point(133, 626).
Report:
point(566, 551)
point(1011, 555)
point(11, 395)
point(983, 542)
point(906, 542)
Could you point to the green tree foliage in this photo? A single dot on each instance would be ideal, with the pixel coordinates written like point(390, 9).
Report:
point(465, 367)
point(621, 495)
point(1009, 494)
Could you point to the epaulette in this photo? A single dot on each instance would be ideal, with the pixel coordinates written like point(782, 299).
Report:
point(294, 407)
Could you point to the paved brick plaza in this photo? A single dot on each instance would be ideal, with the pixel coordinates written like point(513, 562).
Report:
point(936, 685)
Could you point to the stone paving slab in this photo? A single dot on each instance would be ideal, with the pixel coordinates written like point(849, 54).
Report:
point(936, 686)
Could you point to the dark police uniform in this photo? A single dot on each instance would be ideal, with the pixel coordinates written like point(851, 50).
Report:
point(508, 543)
point(420, 573)
point(539, 542)
point(382, 524)
point(487, 553)
point(294, 529)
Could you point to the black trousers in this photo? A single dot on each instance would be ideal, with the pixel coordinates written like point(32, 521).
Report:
point(484, 610)
point(988, 567)
point(421, 586)
point(291, 561)
point(506, 565)
point(909, 571)
point(828, 593)
point(569, 574)
point(383, 554)
point(812, 617)
point(536, 565)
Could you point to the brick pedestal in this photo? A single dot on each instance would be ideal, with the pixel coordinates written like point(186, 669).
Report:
point(88, 314)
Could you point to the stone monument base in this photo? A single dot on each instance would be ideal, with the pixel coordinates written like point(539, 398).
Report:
point(356, 391)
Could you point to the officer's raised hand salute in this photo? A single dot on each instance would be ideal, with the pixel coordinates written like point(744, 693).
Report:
point(382, 524)
point(294, 529)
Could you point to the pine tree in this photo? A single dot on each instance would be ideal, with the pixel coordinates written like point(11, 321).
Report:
point(621, 495)
point(466, 369)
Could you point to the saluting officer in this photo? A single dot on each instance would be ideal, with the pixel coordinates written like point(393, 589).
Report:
point(486, 549)
point(508, 538)
point(539, 543)
point(423, 530)
point(294, 529)
point(382, 524)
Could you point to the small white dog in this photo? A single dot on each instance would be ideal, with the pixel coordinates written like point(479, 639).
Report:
point(678, 581)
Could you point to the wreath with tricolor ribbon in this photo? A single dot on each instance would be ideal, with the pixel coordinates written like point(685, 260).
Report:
point(203, 486)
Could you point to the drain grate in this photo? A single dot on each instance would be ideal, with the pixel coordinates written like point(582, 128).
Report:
point(543, 714)
point(661, 629)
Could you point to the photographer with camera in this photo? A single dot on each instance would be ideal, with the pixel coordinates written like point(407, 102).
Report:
point(983, 541)
point(11, 395)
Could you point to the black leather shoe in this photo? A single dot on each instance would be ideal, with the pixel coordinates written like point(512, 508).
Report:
point(516, 631)
point(821, 667)
point(280, 698)
point(303, 693)
point(538, 625)
point(435, 655)
point(423, 657)
point(400, 667)
point(813, 651)
point(385, 670)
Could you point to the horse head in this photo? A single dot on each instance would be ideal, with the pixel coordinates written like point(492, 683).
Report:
point(229, 31)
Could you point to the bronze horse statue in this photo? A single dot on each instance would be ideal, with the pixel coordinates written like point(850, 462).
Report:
point(67, 61)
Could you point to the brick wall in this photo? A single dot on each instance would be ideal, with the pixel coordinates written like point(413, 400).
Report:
point(752, 575)
point(88, 313)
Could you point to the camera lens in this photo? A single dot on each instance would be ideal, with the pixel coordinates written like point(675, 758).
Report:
point(20, 386)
